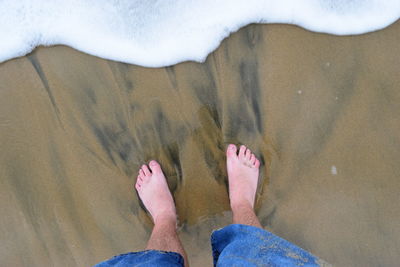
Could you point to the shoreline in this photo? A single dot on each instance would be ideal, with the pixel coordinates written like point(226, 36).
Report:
point(75, 128)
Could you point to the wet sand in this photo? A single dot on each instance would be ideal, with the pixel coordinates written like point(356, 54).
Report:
point(321, 111)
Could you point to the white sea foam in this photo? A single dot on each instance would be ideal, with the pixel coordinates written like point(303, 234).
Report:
point(157, 33)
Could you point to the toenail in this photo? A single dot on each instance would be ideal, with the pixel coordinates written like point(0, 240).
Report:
point(231, 147)
point(152, 163)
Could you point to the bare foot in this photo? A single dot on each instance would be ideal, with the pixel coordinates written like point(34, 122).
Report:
point(154, 192)
point(242, 176)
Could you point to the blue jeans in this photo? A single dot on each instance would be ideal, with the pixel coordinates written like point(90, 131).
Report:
point(233, 245)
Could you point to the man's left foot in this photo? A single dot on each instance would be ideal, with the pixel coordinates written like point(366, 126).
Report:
point(154, 192)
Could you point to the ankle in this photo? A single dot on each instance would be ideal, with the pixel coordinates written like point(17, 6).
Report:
point(165, 219)
point(241, 207)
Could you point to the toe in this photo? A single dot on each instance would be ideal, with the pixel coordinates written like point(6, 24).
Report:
point(137, 186)
point(155, 167)
point(242, 151)
point(257, 163)
point(146, 170)
point(248, 154)
point(231, 151)
point(141, 173)
point(140, 178)
point(252, 159)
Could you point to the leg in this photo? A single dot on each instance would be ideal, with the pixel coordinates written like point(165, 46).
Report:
point(154, 192)
point(243, 177)
point(245, 243)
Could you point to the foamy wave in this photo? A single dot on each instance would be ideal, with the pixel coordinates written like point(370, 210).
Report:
point(157, 33)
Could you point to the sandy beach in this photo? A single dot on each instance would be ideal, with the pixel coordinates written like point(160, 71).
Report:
point(321, 111)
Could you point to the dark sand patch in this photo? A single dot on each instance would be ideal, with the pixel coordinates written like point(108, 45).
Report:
point(74, 130)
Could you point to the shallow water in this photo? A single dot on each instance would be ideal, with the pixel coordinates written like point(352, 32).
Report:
point(74, 130)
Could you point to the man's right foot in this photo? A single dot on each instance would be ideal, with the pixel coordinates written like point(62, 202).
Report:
point(243, 169)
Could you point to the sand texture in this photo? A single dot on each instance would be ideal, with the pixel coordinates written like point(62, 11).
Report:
point(321, 111)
